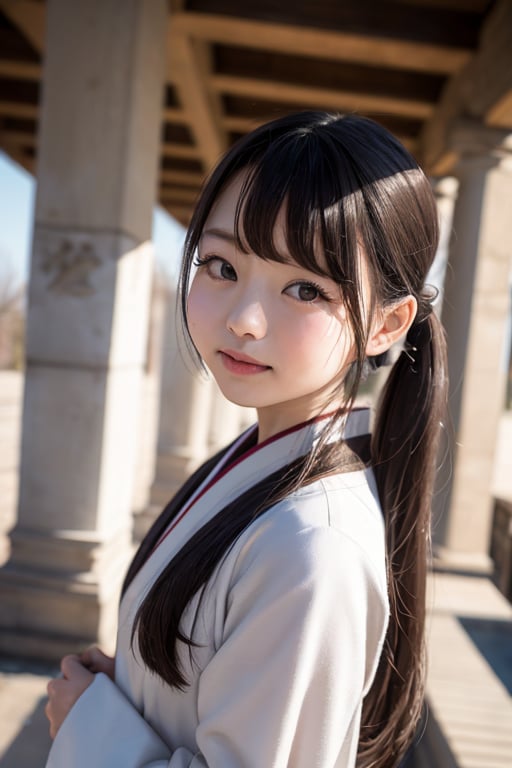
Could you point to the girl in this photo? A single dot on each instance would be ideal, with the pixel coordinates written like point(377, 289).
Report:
point(274, 614)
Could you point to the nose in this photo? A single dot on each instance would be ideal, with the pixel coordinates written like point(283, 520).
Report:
point(247, 318)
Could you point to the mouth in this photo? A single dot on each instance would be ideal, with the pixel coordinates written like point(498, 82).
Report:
point(237, 362)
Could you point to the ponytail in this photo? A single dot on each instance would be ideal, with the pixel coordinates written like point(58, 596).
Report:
point(404, 450)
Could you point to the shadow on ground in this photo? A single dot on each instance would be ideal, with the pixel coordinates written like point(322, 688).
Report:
point(493, 638)
point(30, 747)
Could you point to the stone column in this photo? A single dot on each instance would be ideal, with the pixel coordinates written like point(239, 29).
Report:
point(147, 429)
point(87, 323)
point(475, 315)
point(184, 423)
point(445, 190)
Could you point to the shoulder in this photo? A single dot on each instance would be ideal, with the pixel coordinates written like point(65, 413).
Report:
point(330, 529)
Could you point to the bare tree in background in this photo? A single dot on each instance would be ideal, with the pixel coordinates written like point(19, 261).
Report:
point(12, 321)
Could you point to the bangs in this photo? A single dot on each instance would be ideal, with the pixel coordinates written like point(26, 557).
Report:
point(342, 186)
point(314, 190)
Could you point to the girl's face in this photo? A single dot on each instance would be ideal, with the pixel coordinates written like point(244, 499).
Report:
point(275, 336)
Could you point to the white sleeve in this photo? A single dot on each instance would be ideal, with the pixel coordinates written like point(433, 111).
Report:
point(103, 730)
point(286, 684)
point(304, 625)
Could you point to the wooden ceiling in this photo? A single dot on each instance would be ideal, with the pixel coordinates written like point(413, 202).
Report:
point(414, 65)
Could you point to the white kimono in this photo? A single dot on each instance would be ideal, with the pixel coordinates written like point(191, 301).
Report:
point(290, 630)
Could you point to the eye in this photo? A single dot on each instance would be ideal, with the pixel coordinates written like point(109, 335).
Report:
point(306, 292)
point(216, 267)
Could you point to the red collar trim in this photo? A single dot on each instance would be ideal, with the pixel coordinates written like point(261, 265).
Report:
point(250, 451)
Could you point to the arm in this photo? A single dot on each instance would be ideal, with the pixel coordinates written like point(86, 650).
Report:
point(304, 625)
point(285, 685)
point(77, 674)
point(103, 730)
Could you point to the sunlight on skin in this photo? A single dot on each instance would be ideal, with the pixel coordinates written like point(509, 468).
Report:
point(275, 336)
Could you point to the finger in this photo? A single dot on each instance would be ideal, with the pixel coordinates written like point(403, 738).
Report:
point(48, 711)
point(93, 657)
point(54, 687)
point(70, 665)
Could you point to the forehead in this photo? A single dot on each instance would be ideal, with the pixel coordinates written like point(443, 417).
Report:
point(222, 217)
point(224, 208)
point(272, 243)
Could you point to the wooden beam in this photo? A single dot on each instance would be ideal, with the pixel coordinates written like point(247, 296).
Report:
point(175, 115)
point(178, 195)
point(479, 93)
point(20, 70)
point(18, 109)
point(500, 115)
point(489, 75)
point(16, 153)
point(205, 63)
point(324, 98)
point(179, 150)
point(321, 43)
point(182, 177)
point(240, 124)
point(247, 124)
point(19, 138)
point(186, 69)
point(182, 213)
point(30, 18)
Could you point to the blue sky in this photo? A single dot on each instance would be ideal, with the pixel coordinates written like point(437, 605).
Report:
point(17, 196)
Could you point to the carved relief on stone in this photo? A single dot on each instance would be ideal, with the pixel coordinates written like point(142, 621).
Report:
point(70, 265)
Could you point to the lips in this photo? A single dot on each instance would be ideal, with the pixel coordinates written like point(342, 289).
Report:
point(237, 362)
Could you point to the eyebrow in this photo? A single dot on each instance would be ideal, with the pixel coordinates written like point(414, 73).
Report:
point(228, 237)
point(223, 234)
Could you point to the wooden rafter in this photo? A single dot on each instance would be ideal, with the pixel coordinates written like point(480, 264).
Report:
point(186, 69)
point(227, 74)
point(182, 177)
point(320, 97)
point(178, 196)
point(179, 150)
point(15, 151)
point(20, 70)
point(19, 138)
point(240, 124)
point(18, 109)
point(482, 92)
point(175, 115)
point(323, 44)
point(30, 18)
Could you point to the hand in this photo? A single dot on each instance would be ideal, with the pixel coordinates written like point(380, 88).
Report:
point(96, 661)
point(64, 691)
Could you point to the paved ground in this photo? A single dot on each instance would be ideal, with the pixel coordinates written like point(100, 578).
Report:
point(469, 687)
point(24, 739)
point(470, 674)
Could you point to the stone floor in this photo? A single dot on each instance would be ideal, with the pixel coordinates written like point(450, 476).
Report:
point(469, 686)
point(470, 675)
point(24, 738)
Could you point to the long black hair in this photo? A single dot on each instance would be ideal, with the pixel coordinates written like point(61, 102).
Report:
point(347, 184)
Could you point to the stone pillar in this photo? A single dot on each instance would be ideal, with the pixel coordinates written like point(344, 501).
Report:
point(184, 424)
point(475, 315)
point(147, 429)
point(87, 323)
point(445, 190)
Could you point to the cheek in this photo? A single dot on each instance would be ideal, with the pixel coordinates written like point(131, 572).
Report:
point(201, 300)
point(198, 311)
point(323, 339)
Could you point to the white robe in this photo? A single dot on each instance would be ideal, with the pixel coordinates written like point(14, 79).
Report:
point(290, 630)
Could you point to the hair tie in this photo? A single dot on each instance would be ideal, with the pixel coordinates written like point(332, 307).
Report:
point(426, 303)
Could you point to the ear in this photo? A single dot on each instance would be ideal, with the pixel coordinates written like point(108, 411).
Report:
point(390, 325)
